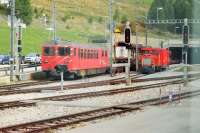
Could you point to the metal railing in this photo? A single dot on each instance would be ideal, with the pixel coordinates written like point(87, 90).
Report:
point(22, 67)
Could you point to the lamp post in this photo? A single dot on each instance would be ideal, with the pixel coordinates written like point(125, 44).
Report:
point(54, 20)
point(158, 9)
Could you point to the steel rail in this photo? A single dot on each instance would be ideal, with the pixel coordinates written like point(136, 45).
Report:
point(71, 97)
point(69, 120)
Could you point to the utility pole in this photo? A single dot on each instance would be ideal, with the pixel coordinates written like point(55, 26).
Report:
point(111, 35)
point(54, 19)
point(146, 32)
point(12, 36)
point(146, 36)
point(136, 47)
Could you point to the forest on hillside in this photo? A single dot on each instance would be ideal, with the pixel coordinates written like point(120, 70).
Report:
point(175, 9)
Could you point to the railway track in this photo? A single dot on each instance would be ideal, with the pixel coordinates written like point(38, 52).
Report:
point(69, 120)
point(17, 90)
point(71, 97)
point(16, 86)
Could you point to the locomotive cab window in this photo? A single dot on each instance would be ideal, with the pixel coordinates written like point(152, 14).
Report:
point(48, 51)
point(62, 51)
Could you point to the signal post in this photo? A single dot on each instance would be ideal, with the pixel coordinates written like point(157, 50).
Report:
point(18, 48)
point(61, 69)
point(127, 33)
point(127, 44)
point(185, 49)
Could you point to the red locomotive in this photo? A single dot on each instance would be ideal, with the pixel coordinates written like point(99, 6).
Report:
point(153, 59)
point(79, 60)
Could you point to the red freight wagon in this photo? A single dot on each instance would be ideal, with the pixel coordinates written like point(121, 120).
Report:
point(153, 59)
point(79, 59)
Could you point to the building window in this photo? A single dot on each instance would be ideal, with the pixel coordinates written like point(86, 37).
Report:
point(88, 56)
point(91, 54)
point(81, 53)
point(85, 52)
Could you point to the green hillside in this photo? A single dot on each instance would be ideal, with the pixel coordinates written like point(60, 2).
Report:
point(76, 21)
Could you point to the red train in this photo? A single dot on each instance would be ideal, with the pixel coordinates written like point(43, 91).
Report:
point(80, 60)
point(153, 59)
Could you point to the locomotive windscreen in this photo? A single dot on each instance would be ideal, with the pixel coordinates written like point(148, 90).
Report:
point(48, 51)
point(147, 61)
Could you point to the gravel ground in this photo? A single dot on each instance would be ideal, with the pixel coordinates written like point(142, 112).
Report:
point(170, 118)
point(29, 96)
point(47, 109)
point(22, 115)
point(119, 98)
point(85, 80)
point(166, 74)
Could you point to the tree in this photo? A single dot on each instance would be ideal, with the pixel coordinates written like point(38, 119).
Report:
point(116, 15)
point(183, 9)
point(90, 19)
point(100, 19)
point(24, 11)
point(124, 19)
point(167, 12)
point(152, 14)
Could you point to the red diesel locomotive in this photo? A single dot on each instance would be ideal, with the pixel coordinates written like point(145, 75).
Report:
point(153, 59)
point(79, 60)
